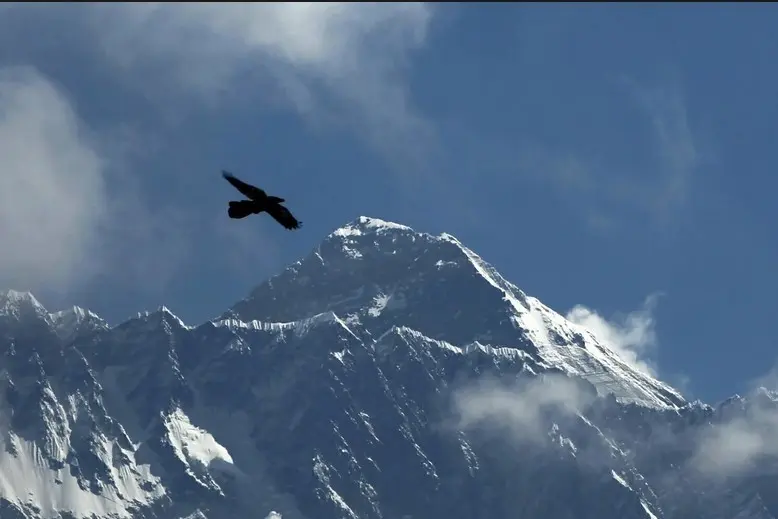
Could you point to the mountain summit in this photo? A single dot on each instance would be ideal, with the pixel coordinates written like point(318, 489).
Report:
point(389, 374)
point(377, 275)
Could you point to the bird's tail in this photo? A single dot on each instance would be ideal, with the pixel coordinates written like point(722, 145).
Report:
point(240, 209)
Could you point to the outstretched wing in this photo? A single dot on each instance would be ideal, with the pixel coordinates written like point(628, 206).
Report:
point(282, 215)
point(247, 190)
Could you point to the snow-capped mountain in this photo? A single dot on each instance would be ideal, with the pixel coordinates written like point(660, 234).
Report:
point(389, 374)
point(377, 275)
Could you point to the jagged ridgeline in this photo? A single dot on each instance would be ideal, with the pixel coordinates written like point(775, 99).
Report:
point(389, 374)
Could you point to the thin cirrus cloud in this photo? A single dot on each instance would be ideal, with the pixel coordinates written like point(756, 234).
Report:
point(327, 61)
point(318, 58)
point(604, 191)
point(677, 151)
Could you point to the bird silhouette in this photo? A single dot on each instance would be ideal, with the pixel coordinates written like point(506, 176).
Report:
point(258, 202)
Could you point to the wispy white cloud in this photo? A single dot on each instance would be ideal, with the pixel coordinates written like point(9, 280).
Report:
point(52, 192)
point(607, 189)
point(741, 437)
point(72, 209)
point(677, 153)
point(328, 61)
point(518, 409)
point(71, 214)
point(744, 437)
point(631, 336)
point(337, 64)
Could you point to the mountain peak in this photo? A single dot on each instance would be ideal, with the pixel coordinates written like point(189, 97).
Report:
point(354, 353)
point(14, 302)
point(164, 314)
point(368, 225)
point(68, 322)
point(375, 274)
point(75, 312)
point(16, 297)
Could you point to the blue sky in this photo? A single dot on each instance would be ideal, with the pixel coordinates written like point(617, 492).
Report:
point(615, 160)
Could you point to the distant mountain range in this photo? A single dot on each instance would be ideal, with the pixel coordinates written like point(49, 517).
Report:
point(389, 374)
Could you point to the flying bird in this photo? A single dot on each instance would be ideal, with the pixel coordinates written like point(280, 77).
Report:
point(258, 202)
